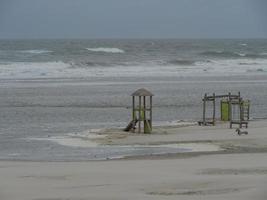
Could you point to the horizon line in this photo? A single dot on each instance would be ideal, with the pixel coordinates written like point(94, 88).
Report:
point(135, 38)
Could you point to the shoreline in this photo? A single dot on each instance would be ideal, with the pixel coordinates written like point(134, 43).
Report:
point(228, 142)
point(168, 141)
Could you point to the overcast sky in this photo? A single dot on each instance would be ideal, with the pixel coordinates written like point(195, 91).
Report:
point(133, 18)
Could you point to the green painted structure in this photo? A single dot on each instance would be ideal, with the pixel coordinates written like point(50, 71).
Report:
point(141, 112)
point(234, 109)
point(225, 110)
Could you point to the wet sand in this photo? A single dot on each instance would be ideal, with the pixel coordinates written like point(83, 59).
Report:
point(239, 171)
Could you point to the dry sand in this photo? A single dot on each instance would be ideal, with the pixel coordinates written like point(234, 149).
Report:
point(237, 172)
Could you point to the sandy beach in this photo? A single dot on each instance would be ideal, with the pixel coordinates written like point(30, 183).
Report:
point(237, 170)
point(104, 100)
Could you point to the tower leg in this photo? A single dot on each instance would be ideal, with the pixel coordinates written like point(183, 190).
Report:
point(139, 123)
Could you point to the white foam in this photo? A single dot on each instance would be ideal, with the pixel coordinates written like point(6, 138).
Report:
point(87, 143)
point(194, 147)
point(185, 147)
point(24, 70)
point(31, 70)
point(14, 154)
point(175, 123)
point(83, 139)
point(234, 66)
point(73, 140)
point(242, 54)
point(36, 51)
point(106, 50)
point(68, 141)
point(88, 135)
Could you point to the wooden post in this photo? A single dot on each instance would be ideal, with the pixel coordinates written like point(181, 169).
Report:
point(139, 123)
point(230, 109)
point(204, 109)
point(240, 111)
point(248, 110)
point(150, 112)
point(133, 111)
point(144, 102)
point(214, 108)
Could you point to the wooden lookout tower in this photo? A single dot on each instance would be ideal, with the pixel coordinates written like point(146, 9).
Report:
point(141, 112)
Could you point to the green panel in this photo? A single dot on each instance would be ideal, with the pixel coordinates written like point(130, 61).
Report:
point(142, 114)
point(136, 114)
point(147, 126)
point(225, 111)
point(246, 103)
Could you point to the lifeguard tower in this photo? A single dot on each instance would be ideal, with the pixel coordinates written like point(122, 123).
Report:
point(141, 112)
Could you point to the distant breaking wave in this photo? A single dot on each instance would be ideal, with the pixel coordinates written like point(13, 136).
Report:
point(86, 69)
point(85, 64)
point(175, 62)
point(35, 51)
point(19, 52)
point(224, 54)
point(106, 50)
point(229, 54)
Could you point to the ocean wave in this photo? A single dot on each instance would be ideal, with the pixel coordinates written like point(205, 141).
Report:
point(85, 69)
point(175, 62)
point(181, 62)
point(248, 63)
point(85, 64)
point(257, 70)
point(224, 54)
point(35, 51)
point(229, 54)
point(21, 70)
point(106, 50)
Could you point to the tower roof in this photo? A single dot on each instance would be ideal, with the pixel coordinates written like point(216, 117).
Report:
point(142, 92)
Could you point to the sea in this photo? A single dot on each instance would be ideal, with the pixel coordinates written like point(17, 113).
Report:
point(54, 90)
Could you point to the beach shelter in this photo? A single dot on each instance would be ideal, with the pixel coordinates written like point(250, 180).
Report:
point(141, 111)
